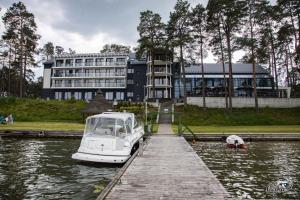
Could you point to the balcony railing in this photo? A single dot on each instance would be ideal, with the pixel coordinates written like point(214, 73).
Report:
point(92, 64)
point(88, 85)
point(115, 74)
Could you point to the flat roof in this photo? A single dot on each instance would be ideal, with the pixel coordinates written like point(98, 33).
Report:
point(216, 68)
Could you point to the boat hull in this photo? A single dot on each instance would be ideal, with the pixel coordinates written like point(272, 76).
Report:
point(100, 158)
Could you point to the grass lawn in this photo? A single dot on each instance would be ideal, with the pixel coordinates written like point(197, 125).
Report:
point(42, 110)
point(43, 126)
point(243, 129)
point(155, 128)
point(196, 116)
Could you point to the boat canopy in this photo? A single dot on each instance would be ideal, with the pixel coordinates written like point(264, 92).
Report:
point(110, 124)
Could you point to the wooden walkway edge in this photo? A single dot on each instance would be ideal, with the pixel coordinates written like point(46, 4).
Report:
point(168, 169)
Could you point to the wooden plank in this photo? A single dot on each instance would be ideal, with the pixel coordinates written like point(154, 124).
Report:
point(168, 169)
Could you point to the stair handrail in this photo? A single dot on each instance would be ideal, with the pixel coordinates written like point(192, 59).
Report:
point(157, 116)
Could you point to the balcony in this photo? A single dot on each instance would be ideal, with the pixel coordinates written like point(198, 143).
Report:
point(89, 85)
point(160, 85)
point(92, 64)
point(90, 75)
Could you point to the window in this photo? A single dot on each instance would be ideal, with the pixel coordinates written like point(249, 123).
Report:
point(130, 71)
point(128, 124)
point(58, 95)
point(69, 62)
point(68, 95)
point(59, 63)
point(120, 61)
point(120, 72)
point(89, 62)
point(99, 82)
point(78, 62)
point(109, 96)
point(120, 95)
point(129, 81)
point(77, 95)
point(78, 83)
point(58, 83)
point(109, 60)
point(88, 95)
point(120, 82)
point(89, 83)
point(129, 94)
point(68, 83)
point(99, 61)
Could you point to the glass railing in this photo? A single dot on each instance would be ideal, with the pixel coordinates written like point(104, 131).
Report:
point(115, 74)
point(90, 64)
point(106, 85)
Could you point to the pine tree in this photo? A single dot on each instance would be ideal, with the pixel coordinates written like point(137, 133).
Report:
point(151, 31)
point(115, 48)
point(216, 33)
point(231, 14)
point(48, 50)
point(180, 34)
point(21, 34)
point(198, 23)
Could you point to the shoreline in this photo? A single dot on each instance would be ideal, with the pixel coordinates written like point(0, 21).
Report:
point(199, 136)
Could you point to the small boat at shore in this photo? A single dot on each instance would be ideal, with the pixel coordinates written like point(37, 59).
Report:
point(110, 137)
point(234, 141)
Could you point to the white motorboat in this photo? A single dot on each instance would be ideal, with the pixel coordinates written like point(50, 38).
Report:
point(110, 137)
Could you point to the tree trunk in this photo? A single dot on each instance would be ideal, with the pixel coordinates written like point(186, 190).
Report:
point(293, 24)
point(183, 74)
point(287, 66)
point(24, 73)
point(253, 62)
point(274, 63)
point(223, 67)
point(230, 88)
point(202, 70)
point(21, 59)
point(9, 66)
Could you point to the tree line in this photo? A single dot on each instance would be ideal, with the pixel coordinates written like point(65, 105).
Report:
point(19, 53)
point(268, 34)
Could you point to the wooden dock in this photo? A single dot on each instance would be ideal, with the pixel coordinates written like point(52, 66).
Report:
point(168, 169)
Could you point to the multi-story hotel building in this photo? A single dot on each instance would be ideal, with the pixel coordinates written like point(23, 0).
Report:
point(123, 77)
point(81, 75)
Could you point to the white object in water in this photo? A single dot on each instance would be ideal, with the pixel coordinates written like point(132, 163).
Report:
point(234, 140)
point(109, 137)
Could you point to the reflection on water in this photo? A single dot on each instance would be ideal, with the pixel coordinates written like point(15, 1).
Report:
point(43, 169)
point(246, 174)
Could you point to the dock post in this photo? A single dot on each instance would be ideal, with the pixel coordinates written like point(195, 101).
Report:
point(141, 147)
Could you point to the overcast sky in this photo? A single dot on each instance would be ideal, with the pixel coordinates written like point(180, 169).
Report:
point(86, 25)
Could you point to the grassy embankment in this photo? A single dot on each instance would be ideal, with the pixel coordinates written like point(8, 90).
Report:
point(38, 114)
point(242, 120)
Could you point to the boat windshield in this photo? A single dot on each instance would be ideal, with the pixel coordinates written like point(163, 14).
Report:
point(105, 127)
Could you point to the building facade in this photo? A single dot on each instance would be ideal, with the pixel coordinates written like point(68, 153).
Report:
point(123, 77)
point(79, 76)
point(159, 76)
point(214, 80)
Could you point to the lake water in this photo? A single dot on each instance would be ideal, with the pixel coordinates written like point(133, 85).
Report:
point(43, 169)
point(253, 173)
